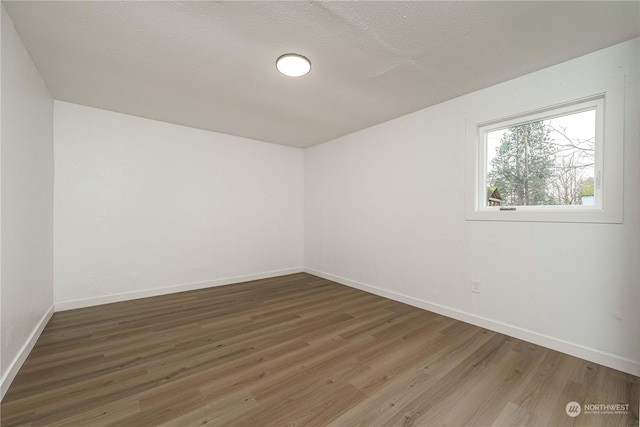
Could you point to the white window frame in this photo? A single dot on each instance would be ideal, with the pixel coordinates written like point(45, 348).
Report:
point(609, 105)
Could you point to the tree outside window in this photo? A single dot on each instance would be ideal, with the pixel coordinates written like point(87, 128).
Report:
point(545, 162)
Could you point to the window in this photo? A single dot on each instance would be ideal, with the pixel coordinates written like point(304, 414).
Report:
point(547, 159)
point(552, 164)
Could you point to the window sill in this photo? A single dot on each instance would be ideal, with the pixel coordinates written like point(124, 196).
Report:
point(567, 214)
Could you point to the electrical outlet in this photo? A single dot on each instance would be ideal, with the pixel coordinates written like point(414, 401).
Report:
point(475, 286)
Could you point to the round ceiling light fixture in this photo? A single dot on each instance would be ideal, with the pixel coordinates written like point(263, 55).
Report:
point(293, 65)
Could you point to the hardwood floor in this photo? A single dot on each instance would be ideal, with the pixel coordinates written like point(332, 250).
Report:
point(297, 350)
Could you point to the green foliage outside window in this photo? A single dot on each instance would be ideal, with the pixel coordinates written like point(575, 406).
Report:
point(538, 163)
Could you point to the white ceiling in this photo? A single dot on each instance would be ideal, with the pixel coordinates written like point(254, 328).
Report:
point(211, 65)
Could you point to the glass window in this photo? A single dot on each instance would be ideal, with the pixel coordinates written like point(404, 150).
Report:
point(552, 164)
point(546, 162)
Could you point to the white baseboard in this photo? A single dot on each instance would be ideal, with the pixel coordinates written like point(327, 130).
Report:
point(10, 372)
point(126, 296)
point(610, 360)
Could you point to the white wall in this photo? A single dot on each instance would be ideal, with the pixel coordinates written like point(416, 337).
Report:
point(145, 207)
point(27, 204)
point(384, 211)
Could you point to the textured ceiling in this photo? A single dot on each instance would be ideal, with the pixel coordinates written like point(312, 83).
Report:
point(211, 65)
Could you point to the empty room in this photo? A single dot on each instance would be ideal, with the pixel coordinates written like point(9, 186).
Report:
point(320, 213)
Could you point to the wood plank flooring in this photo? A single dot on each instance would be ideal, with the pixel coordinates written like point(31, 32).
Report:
point(297, 350)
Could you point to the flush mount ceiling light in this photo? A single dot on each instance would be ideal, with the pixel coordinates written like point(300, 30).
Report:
point(293, 65)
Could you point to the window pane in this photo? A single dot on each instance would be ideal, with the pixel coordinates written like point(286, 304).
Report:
point(545, 162)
